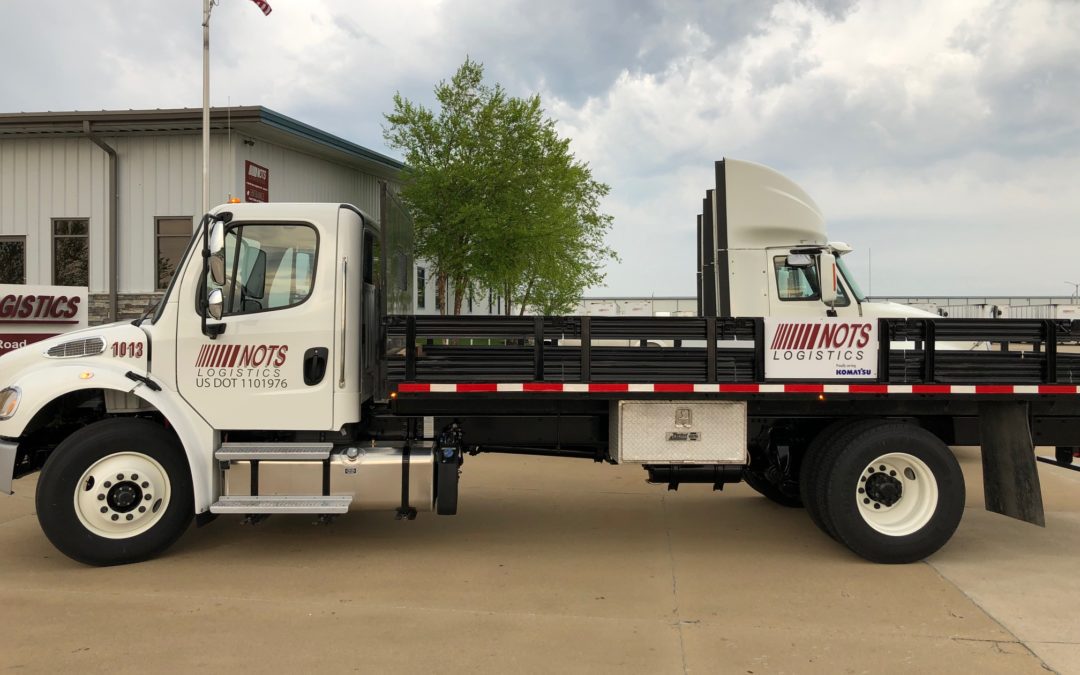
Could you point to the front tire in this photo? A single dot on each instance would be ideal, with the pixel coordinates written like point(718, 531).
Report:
point(117, 491)
point(891, 492)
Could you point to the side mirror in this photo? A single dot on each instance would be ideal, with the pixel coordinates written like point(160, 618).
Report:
point(217, 252)
point(828, 279)
point(798, 260)
point(214, 303)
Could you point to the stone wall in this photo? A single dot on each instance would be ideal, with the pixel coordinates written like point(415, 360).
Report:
point(131, 306)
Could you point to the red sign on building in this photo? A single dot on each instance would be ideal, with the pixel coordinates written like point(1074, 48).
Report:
point(256, 182)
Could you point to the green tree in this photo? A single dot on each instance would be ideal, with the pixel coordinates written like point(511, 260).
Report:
point(499, 200)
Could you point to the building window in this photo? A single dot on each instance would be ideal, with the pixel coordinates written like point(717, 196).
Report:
point(172, 238)
point(12, 260)
point(71, 251)
point(421, 287)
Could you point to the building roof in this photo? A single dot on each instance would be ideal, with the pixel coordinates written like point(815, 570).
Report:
point(254, 120)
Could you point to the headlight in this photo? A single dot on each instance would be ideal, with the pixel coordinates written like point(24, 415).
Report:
point(9, 402)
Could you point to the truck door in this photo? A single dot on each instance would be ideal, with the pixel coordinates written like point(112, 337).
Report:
point(271, 367)
point(795, 290)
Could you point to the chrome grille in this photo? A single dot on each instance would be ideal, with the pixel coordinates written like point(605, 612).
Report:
point(85, 347)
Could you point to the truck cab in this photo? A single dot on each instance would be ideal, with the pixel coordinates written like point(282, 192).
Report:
point(764, 251)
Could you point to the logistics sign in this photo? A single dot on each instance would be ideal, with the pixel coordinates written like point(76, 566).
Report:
point(29, 314)
point(821, 349)
point(221, 366)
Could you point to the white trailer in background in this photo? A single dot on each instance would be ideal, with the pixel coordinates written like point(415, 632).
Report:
point(1047, 312)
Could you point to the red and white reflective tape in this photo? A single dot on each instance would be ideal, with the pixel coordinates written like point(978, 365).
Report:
point(678, 388)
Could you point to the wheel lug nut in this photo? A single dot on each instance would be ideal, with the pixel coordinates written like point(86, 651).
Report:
point(865, 501)
point(861, 490)
point(129, 516)
point(115, 517)
point(892, 473)
point(120, 476)
point(107, 484)
point(142, 509)
point(104, 509)
point(101, 498)
point(147, 497)
point(870, 470)
point(877, 506)
point(882, 467)
point(134, 476)
point(145, 485)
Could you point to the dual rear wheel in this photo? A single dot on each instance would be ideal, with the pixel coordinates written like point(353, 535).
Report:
point(892, 492)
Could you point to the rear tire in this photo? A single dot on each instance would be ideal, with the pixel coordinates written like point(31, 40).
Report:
point(114, 492)
point(811, 463)
point(901, 513)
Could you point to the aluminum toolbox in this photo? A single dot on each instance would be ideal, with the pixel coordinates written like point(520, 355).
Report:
point(678, 432)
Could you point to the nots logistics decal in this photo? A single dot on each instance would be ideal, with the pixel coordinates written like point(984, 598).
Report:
point(241, 367)
point(820, 349)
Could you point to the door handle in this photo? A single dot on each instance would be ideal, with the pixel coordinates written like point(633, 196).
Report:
point(315, 365)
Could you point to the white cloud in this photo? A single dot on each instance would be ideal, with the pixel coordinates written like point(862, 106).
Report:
point(943, 134)
point(898, 118)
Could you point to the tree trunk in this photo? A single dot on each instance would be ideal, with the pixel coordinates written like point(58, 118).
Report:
point(525, 296)
point(440, 293)
point(459, 295)
point(507, 301)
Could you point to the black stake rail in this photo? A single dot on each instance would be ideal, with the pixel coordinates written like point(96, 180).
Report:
point(714, 350)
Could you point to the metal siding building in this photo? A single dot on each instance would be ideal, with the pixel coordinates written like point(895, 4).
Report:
point(50, 168)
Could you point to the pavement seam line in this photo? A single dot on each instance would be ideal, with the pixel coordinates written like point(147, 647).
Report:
point(674, 584)
point(366, 603)
point(993, 618)
point(17, 519)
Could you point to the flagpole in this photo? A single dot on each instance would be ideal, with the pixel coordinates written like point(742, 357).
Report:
point(207, 6)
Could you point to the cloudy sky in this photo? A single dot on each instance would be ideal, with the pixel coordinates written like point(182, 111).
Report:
point(943, 136)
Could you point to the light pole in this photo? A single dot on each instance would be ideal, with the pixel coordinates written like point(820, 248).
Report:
point(208, 6)
point(1076, 289)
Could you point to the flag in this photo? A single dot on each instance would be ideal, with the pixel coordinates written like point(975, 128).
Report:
point(264, 6)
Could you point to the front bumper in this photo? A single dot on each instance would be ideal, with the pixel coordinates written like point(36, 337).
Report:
point(7, 465)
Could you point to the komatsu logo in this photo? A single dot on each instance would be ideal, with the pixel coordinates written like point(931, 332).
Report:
point(241, 356)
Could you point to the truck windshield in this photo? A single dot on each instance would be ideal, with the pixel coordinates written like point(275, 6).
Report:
point(850, 279)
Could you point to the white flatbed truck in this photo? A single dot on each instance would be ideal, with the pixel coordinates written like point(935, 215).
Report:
point(271, 380)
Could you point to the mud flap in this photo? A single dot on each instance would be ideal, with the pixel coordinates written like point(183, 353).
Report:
point(1010, 477)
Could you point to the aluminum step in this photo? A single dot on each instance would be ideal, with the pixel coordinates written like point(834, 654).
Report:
point(274, 451)
point(282, 504)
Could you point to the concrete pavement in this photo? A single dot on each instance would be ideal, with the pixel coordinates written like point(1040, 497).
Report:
point(553, 565)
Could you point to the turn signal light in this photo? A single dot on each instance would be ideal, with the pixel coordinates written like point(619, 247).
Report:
point(234, 200)
point(9, 402)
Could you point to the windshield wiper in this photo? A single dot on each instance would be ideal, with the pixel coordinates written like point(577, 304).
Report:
point(146, 314)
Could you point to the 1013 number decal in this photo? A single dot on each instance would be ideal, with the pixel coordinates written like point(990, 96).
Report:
point(123, 350)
